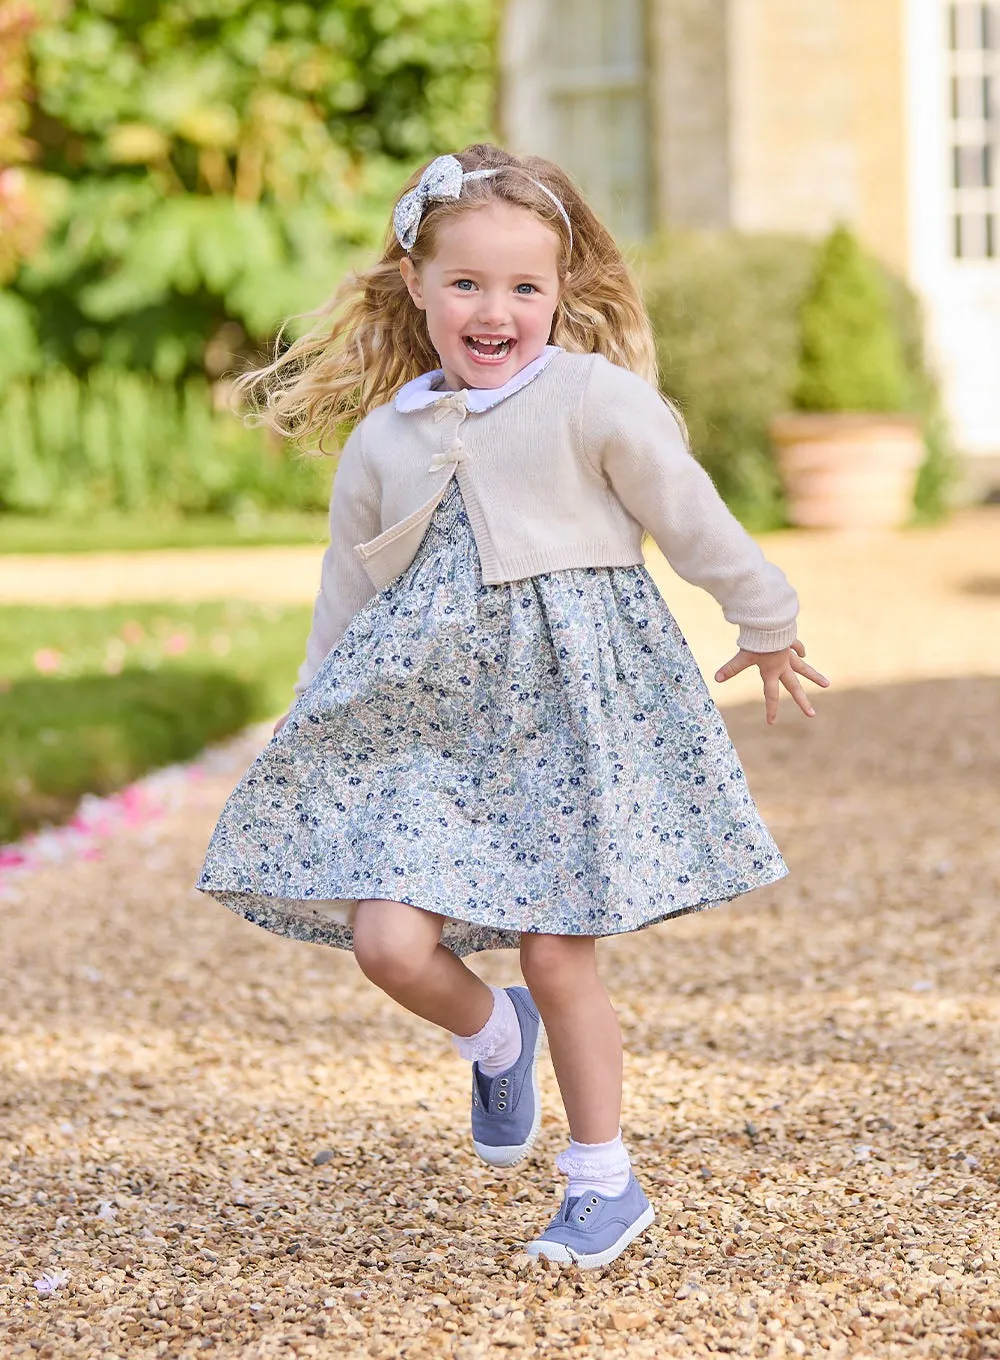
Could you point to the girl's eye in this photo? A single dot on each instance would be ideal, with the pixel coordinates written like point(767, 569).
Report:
point(460, 283)
point(529, 286)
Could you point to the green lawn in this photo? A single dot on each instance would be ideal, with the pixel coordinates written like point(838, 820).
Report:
point(91, 699)
point(106, 533)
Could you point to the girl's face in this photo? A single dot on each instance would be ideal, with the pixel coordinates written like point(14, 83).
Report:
point(490, 292)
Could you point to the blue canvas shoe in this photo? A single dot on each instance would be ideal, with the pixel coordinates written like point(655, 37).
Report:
point(591, 1230)
point(506, 1109)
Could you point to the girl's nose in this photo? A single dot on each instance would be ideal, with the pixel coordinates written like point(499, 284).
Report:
point(492, 311)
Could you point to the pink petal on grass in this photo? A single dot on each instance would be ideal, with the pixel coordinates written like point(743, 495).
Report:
point(176, 644)
point(132, 632)
point(98, 819)
point(46, 660)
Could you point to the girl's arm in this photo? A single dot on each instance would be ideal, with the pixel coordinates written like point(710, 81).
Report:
point(633, 438)
point(344, 585)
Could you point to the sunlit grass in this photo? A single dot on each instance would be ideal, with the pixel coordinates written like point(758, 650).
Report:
point(109, 533)
point(93, 698)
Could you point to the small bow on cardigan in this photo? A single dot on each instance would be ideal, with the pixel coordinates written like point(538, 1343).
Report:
point(456, 452)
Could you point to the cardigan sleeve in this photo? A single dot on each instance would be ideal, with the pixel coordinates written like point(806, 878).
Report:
point(635, 440)
point(344, 585)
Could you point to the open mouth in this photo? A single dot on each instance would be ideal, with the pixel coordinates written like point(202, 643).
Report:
point(484, 347)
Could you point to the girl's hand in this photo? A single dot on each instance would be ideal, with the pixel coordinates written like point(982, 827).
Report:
point(776, 668)
point(280, 723)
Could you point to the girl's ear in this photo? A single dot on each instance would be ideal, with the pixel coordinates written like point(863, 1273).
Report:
point(412, 280)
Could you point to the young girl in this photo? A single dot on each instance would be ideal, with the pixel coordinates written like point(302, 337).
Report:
point(500, 737)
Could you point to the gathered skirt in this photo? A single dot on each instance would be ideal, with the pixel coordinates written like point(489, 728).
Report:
point(540, 755)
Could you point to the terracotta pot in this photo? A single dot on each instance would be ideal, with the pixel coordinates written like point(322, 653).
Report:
point(850, 471)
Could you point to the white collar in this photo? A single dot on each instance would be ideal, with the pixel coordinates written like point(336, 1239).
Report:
point(421, 392)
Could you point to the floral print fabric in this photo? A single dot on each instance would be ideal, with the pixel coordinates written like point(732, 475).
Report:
point(539, 755)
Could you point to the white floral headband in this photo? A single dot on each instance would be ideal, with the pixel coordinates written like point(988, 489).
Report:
point(442, 179)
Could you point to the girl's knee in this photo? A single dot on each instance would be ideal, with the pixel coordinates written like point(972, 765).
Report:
point(556, 964)
point(393, 943)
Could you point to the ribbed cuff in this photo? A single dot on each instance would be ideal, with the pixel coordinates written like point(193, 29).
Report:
point(768, 639)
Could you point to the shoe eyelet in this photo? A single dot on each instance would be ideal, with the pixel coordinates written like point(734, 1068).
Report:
point(503, 1081)
point(501, 1105)
point(582, 1219)
point(588, 1210)
point(594, 1202)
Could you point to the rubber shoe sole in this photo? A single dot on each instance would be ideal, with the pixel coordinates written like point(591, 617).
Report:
point(558, 1251)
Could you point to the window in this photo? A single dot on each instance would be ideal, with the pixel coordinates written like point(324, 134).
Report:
point(974, 66)
point(597, 86)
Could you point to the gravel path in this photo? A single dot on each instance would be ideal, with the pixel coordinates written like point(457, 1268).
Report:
point(219, 1142)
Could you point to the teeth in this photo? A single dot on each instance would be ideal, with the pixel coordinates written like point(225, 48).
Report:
point(496, 347)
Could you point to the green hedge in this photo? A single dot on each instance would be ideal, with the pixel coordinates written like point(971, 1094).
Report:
point(725, 309)
point(120, 441)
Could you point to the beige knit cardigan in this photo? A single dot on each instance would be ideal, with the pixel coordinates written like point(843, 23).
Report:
point(567, 471)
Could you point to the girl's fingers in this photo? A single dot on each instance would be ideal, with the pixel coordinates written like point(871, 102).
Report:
point(815, 676)
point(771, 693)
point(798, 694)
point(733, 667)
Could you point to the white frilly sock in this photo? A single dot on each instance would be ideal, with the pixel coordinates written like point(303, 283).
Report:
point(497, 1045)
point(603, 1168)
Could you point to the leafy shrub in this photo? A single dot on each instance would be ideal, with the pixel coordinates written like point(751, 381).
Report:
point(850, 346)
point(219, 164)
point(725, 310)
point(126, 442)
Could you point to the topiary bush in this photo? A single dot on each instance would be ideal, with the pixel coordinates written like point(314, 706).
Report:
point(850, 347)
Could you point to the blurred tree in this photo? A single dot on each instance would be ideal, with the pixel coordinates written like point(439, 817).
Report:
point(209, 166)
point(20, 219)
point(21, 223)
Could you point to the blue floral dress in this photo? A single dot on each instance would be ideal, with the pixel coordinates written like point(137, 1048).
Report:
point(539, 755)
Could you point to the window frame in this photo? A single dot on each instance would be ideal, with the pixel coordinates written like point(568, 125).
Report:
point(972, 36)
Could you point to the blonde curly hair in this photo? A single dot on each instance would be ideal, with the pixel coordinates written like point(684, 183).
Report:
point(370, 338)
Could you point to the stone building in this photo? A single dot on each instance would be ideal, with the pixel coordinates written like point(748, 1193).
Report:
point(790, 115)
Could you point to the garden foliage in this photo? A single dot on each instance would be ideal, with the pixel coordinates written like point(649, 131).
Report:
point(205, 163)
point(120, 441)
point(726, 312)
point(187, 175)
point(850, 346)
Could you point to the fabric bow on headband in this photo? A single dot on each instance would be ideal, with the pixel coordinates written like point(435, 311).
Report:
point(443, 179)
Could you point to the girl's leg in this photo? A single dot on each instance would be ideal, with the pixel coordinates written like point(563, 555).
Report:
point(398, 948)
point(604, 1207)
point(585, 1040)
